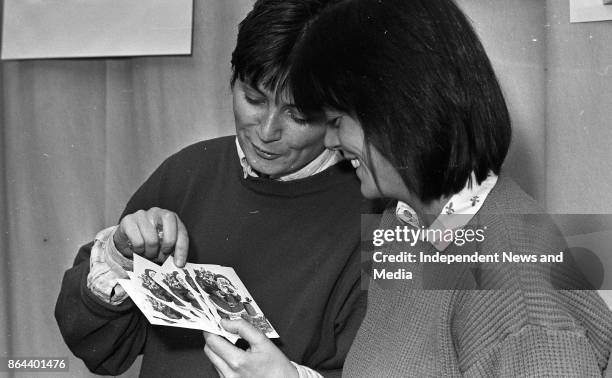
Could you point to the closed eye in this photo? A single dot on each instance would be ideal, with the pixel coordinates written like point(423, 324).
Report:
point(254, 100)
point(297, 117)
point(334, 123)
point(253, 95)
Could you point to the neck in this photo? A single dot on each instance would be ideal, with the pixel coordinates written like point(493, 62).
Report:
point(427, 212)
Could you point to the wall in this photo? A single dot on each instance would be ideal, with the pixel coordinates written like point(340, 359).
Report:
point(579, 133)
point(557, 78)
point(514, 35)
point(77, 138)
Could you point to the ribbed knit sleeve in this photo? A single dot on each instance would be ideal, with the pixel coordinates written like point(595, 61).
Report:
point(538, 333)
point(535, 351)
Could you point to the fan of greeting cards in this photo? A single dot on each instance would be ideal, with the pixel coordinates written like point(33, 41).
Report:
point(196, 296)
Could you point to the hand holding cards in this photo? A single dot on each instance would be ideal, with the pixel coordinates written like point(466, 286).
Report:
point(197, 296)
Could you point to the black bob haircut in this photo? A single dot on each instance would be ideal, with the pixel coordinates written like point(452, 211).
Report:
point(415, 75)
point(266, 40)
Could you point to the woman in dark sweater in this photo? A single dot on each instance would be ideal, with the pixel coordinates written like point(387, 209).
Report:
point(270, 202)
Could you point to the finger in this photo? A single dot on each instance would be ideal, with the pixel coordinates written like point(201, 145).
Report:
point(221, 375)
point(122, 242)
point(221, 366)
point(224, 349)
point(146, 226)
point(245, 330)
point(130, 229)
point(181, 248)
point(167, 233)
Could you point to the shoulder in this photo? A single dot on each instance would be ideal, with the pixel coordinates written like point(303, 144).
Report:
point(516, 220)
point(508, 197)
point(193, 166)
point(204, 156)
point(527, 243)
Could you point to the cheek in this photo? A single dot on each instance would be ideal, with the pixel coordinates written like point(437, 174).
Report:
point(352, 141)
point(369, 188)
point(237, 114)
point(368, 178)
point(243, 115)
point(389, 180)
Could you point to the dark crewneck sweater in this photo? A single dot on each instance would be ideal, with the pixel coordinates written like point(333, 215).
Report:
point(294, 245)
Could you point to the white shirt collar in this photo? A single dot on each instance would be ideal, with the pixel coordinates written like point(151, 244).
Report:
point(326, 159)
point(456, 213)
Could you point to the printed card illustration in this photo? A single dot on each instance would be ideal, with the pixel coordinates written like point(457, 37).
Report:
point(197, 296)
point(229, 296)
point(157, 302)
point(156, 310)
point(176, 281)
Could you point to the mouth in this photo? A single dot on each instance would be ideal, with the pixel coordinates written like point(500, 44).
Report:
point(264, 154)
point(354, 161)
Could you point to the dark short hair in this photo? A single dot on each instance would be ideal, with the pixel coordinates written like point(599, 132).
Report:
point(417, 78)
point(266, 38)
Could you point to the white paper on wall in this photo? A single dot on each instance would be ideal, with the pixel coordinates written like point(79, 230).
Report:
point(37, 29)
point(589, 10)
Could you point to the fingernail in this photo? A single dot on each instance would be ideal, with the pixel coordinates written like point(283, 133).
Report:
point(179, 261)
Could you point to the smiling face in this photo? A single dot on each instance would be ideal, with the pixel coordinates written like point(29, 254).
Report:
point(276, 139)
point(377, 175)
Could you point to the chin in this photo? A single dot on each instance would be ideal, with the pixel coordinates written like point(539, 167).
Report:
point(267, 170)
point(370, 193)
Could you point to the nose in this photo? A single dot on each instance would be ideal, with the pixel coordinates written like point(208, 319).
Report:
point(331, 140)
point(270, 128)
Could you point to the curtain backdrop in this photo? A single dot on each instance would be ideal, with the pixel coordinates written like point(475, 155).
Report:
point(79, 136)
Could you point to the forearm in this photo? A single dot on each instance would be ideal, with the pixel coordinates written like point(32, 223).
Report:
point(106, 266)
point(306, 372)
point(107, 337)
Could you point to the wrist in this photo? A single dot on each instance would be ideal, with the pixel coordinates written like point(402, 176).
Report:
point(293, 370)
point(101, 280)
point(302, 371)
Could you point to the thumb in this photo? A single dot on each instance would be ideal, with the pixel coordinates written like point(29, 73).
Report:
point(245, 330)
